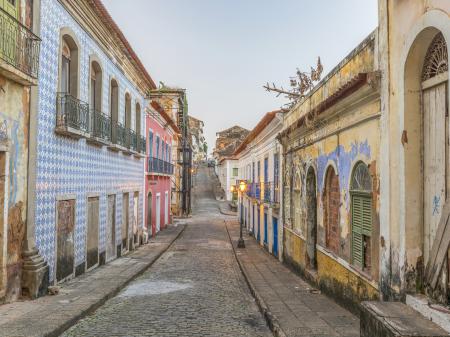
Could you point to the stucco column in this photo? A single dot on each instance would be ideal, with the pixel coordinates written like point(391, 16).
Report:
point(35, 274)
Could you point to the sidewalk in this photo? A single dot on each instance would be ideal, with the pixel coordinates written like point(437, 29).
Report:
point(290, 305)
point(51, 315)
point(224, 208)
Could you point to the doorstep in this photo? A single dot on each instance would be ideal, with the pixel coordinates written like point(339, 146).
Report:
point(396, 319)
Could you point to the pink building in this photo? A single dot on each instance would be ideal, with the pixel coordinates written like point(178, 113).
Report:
point(160, 131)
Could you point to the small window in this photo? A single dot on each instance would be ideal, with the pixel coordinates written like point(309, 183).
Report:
point(235, 172)
point(69, 77)
point(361, 208)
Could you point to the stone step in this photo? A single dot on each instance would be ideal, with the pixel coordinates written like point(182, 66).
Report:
point(396, 319)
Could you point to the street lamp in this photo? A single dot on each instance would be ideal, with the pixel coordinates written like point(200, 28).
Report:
point(242, 189)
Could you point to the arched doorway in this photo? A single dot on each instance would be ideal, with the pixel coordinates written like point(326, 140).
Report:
point(149, 213)
point(331, 210)
point(311, 204)
point(426, 150)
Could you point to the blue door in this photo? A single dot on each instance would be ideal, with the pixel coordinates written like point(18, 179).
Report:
point(259, 222)
point(275, 236)
point(253, 219)
point(265, 228)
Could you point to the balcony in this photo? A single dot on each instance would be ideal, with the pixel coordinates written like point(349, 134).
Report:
point(142, 144)
point(132, 140)
point(100, 128)
point(19, 50)
point(271, 193)
point(159, 166)
point(72, 116)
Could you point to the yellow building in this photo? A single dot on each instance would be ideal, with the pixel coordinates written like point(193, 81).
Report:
point(331, 142)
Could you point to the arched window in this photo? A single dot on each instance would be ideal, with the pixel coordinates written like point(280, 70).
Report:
point(361, 208)
point(138, 119)
point(95, 97)
point(114, 108)
point(297, 202)
point(127, 111)
point(331, 209)
point(68, 82)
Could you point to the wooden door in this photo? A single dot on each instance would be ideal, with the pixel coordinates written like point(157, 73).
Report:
point(275, 236)
point(92, 233)
point(125, 220)
point(111, 229)
point(65, 222)
point(434, 160)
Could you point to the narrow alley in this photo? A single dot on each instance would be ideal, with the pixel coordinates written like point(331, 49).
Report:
point(194, 289)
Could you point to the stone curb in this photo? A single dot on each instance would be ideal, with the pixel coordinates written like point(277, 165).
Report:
point(229, 213)
point(270, 318)
point(73, 320)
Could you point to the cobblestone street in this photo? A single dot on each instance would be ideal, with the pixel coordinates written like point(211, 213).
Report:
point(194, 289)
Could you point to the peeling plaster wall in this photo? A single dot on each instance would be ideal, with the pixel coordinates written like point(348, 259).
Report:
point(408, 28)
point(344, 134)
point(14, 111)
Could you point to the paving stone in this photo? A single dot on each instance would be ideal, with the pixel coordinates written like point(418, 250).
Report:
point(288, 297)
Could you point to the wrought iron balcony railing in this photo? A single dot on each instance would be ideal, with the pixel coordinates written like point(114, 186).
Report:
point(258, 191)
point(271, 193)
point(100, 126)
point(72, 115)
point(156, 165)
point(132, 140)
point(19, 47)
point(142, 144)
point(119, 134)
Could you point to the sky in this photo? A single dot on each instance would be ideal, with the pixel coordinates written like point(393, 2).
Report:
point(224, 51)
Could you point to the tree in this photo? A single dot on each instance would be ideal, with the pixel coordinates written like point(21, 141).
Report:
point(300, 84)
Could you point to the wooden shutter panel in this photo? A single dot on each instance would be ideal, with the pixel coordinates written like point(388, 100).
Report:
point(357, 224)
point(361, 225)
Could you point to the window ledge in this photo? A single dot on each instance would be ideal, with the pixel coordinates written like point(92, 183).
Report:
point(16, 75)
point(71, 132)
point(98, 141)
point(368, 278)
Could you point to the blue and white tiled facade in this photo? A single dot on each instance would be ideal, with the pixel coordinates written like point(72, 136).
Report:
point(67, 166)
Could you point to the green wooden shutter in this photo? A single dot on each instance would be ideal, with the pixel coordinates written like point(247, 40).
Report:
point(361, 226)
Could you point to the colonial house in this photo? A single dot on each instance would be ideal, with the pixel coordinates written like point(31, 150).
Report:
point(160, 130)
point(259, 165)
point(19, 70)
point(87, 191)
point(331, 179)
point(174, 102)
point(198, 142)
point(226, 168)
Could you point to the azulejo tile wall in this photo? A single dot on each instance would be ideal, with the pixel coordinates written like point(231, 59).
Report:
point(73, 167)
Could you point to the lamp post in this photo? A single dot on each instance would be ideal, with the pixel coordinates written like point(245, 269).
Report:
point(242, 189)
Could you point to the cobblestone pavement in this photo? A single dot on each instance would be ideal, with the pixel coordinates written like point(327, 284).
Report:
point(298, 308)
point(195, 289)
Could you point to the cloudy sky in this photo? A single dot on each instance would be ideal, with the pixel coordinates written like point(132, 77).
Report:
point(223, 51)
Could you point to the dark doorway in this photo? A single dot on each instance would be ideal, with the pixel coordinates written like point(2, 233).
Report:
point(311, 204)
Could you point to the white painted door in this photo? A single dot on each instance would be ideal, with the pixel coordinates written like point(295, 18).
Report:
point(158, 212)
point(166, 208)
point(434, 157)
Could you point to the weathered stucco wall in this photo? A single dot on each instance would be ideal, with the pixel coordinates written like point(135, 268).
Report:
point(14, 115)
point(345, 133)
point(408, 28)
